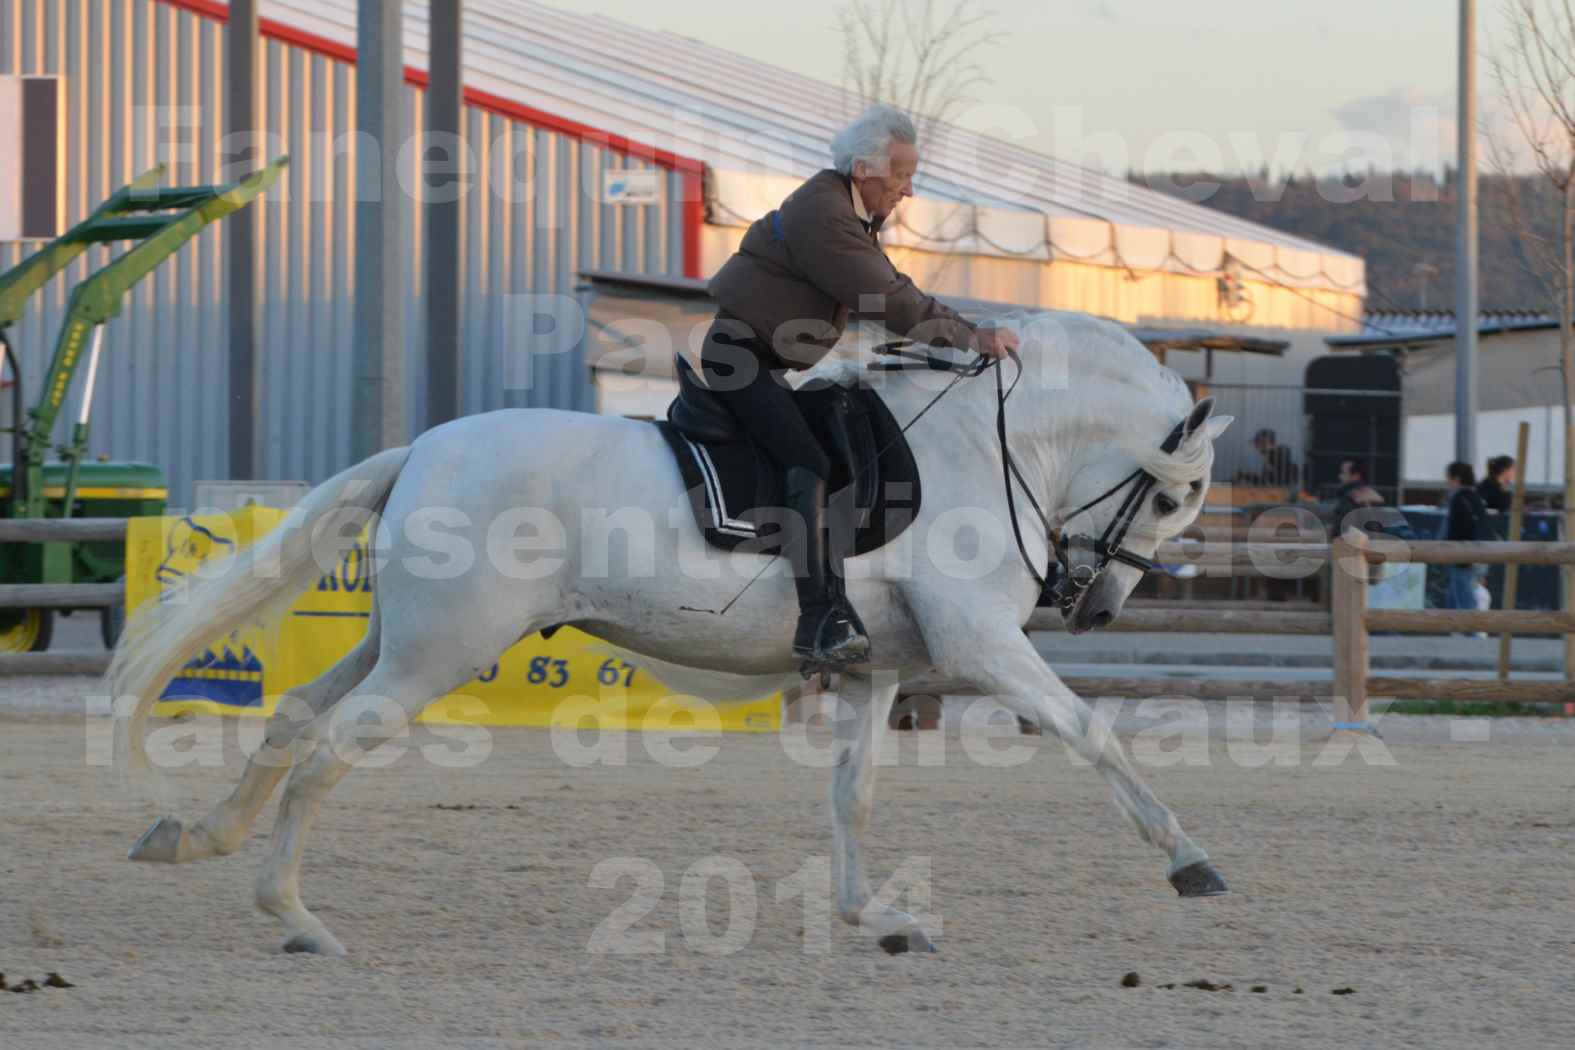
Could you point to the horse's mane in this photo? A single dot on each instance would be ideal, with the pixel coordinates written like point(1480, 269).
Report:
point(1093, 348)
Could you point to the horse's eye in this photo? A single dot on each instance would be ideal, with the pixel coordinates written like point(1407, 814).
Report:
point(1164, 505)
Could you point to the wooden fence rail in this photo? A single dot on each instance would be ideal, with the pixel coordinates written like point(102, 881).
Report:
point(65, 530)
point(1486, 689)
point(1353, 682)
point(1132, 687)
point(60, 595)
point(62, 530)
point(1348, 621)
point(1461, 552)
point(1441, 621)
point(1202, 620)
point(77, 661)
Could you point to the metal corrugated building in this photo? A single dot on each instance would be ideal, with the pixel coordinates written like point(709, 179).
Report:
point(554, 99)
point(131, 66)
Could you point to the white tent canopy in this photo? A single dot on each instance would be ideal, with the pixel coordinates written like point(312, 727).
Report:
point(762, 129)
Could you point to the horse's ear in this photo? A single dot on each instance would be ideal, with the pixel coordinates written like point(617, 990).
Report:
point(1200, 415)
point(1200, 424)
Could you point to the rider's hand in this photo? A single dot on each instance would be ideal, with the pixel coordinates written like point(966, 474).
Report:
point(994, 342)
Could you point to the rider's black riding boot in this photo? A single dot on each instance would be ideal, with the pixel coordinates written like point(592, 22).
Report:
point(829, 635)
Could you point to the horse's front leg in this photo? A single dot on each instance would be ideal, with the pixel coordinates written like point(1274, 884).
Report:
point(992, 652)
point(852, 799)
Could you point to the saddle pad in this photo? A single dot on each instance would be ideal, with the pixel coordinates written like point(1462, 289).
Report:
point(735, 489)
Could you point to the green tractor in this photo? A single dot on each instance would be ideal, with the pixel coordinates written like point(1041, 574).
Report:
point(160, 220)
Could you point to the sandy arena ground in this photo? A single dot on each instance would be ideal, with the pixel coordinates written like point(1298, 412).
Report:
point(1438, 888)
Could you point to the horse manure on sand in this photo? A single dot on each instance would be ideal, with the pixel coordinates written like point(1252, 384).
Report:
point(23, 987)
point(1203, 984)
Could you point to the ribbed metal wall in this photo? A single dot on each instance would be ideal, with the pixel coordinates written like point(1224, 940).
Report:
point(532, 221)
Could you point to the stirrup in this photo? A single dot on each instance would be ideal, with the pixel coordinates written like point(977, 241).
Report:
point(807, 670)
point(855, 651)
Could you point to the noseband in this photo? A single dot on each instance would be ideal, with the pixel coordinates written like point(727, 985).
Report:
point(1106, 548)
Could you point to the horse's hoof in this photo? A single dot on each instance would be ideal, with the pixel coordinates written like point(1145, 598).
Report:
point(309, 944)
point(912, 941)
point(160, 844)
point(1198, 879)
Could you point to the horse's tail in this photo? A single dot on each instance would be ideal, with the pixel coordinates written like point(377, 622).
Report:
point(254, 585)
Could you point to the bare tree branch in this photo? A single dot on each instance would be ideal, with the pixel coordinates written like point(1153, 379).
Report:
point(1535, 75)
point(916, 55)
point(921, 57)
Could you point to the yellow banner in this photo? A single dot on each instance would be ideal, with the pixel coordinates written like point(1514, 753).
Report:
point(235, 675)
point(568, 680)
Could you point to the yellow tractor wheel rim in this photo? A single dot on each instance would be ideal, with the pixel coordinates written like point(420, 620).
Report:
point(21, 637)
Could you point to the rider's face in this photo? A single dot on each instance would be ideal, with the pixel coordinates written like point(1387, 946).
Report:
point(882, 190)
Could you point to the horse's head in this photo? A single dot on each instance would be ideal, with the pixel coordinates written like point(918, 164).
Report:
point(1126, 505)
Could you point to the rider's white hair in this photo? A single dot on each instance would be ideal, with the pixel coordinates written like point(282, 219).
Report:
point(870, 136)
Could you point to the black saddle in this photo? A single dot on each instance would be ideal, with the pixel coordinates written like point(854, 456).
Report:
point(735, 487)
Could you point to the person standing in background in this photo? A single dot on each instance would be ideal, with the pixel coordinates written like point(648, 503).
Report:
point(1354, 494)
point(1462, 523)
point(1494, 489)
point(1279, 468)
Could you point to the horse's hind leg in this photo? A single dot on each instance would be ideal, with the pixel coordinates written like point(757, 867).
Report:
point(410, 674)
point(224, 829)
point(279, 882)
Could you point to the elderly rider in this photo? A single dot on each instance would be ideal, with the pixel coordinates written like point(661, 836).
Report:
point(783, 301)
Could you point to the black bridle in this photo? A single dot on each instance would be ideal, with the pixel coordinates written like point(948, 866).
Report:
point(1109, 546)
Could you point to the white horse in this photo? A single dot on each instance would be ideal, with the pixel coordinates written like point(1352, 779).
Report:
point(455, 590)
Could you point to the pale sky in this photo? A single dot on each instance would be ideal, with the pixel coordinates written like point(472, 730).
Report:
point(1159, 84)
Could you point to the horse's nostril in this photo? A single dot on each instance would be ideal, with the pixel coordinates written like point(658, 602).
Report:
point(1102, 617)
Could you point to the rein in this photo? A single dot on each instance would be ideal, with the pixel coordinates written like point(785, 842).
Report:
point(1108, 547)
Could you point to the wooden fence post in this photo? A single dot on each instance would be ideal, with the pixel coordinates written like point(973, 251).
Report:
point(1348, 606)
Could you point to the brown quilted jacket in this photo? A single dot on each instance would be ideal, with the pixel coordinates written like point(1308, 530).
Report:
point(802, 268)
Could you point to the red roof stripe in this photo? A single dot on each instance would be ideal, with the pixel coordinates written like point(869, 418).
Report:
point(693, 211)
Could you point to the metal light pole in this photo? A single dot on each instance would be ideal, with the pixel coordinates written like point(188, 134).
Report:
point(240, 241)
point(445, 109)
point(1466, 245)
point(378, 405)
